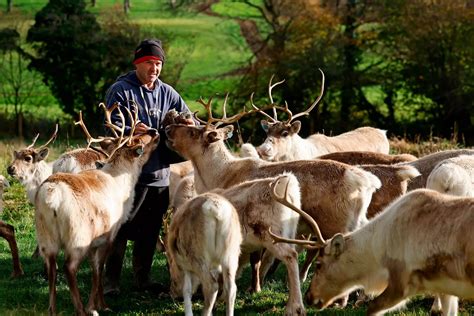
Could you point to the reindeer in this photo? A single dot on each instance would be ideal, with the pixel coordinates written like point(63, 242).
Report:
point(7, 231)
point(283, 142)
point(334, 193)
point(82, 213)
point(427, 163)
point(454, 176)
point(30, 167)
point(257, 212)
point(206, 254)
point(417, 245)
point(29, 164)
point(367, 158)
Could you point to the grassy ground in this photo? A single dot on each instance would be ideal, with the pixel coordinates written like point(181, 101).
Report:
point(28, 295)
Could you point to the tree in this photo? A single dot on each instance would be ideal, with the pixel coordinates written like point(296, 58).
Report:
point(77, 56)
point(430, 44)
point(9, 6)
point(18, 85)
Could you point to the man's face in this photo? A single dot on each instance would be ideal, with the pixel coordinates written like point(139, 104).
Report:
point(148, 71)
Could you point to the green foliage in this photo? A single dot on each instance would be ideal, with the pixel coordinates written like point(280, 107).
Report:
point(77, 57)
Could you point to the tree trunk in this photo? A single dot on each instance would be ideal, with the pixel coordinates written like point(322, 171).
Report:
point(348, 95)
point(126, 6)
point(9, 6)
point(93, 3)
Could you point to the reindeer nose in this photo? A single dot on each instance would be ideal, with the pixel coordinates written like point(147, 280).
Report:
point(152, 132)
point(11, 170)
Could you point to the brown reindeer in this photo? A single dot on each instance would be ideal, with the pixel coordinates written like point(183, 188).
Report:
point(417, 245)
point(256, 212)
point(82, 213)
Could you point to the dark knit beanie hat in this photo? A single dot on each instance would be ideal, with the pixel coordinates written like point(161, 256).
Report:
point(149, 49)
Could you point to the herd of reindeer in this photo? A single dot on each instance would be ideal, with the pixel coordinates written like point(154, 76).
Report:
point(387, 226)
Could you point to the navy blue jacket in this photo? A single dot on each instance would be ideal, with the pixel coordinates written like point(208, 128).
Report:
point(152, 106)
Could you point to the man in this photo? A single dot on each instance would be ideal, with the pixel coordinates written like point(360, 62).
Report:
point(154, 99)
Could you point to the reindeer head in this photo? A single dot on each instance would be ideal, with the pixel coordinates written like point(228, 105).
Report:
point(121, 148)
point(190, 141)
point(281, 134)
point(327, 283)
point(25, 161)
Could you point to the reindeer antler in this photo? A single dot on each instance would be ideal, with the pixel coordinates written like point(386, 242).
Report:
point(314, 226)
point(52, 138)
point(224, 119)
point(306, 112)
point(275, 107)
point(89, 138)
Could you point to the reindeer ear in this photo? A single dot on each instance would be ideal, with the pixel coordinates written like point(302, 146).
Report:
point(107, 145)
point(228, 131)
point(212, 136)
point(265, 125)
point(295, 127)
point(43, 153)
point(337, 245)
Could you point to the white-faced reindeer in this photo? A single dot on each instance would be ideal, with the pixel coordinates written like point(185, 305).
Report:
point(334, 193)
point(82, 213)
point(419, 244)
point(30, 167)
point(29, 164)
point(257, 213)
point(283, 142)
point(7, 231)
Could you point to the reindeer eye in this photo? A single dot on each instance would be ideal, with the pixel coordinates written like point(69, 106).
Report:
point(284, 133)
point(318, 264)
point(28, 159)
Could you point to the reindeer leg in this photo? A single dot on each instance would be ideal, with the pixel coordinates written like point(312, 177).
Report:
point(310, 255)
point(395, 294)
point(50, 262)
point(95, 301)
point(288, 255)
point(210, 287)
point(230, 288)
point(269, 265)
point(188, 293)
point(102, 258)
point(449, 305)
point(255, 263)
point(70, 266)
point(8, 232)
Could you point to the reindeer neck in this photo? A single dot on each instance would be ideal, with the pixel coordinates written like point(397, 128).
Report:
point(125, 175)
point(43, 170)
point(211, 166)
